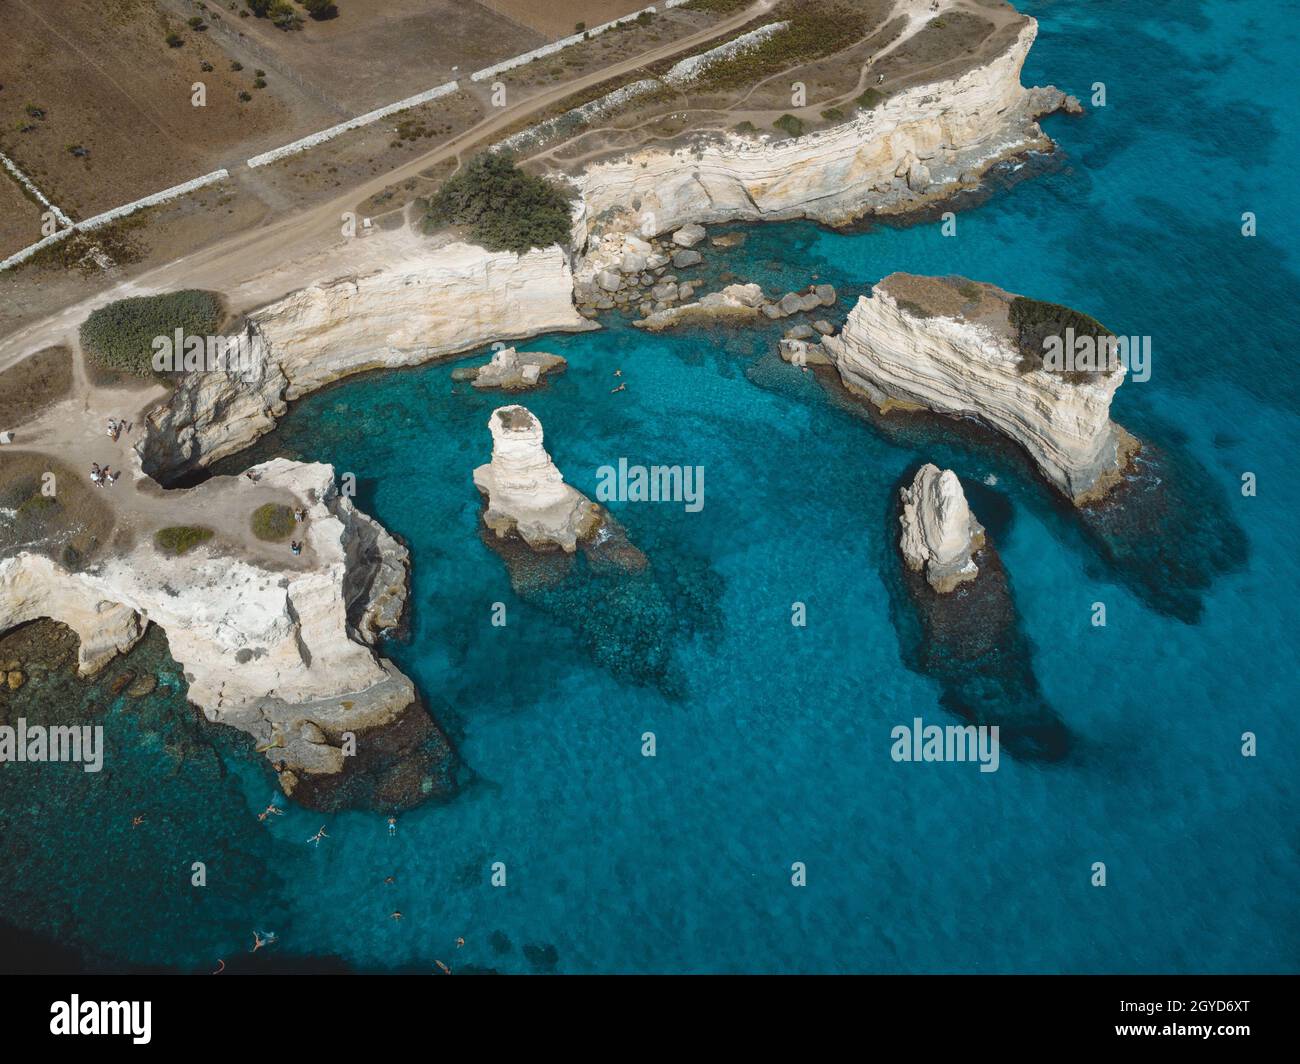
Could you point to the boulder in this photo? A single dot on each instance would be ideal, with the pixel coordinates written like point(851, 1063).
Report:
point(689, 235)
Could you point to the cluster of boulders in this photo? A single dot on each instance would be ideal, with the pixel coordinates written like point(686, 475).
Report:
point(511, 370)
point(637, 273)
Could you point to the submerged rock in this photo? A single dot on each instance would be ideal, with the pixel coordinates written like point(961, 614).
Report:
point(971, 640)
point(940, 534)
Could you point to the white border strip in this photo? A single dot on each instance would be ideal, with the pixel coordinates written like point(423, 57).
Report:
point(565, 42)
point(30, 185)
point(352, 123)
point(117, 212)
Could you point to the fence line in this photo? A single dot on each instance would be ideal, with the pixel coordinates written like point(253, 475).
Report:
point(566, 42)
point(30, 185)
point(352, 123)
point(100, 220)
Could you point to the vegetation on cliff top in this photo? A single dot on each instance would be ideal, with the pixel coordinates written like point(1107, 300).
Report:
point(120, 336)
point(179, 539)
point(273, 521)
point(503, 208)
point(1033, 321)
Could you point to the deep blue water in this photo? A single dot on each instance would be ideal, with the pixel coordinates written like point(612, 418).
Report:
point(773, 741)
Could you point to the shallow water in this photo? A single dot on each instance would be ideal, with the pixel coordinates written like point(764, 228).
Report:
point(773, 742)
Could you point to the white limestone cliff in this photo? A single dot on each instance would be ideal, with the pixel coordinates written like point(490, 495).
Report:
point(526, 493)
point(428, 301)
point(970, 366)
point(284, 654)
point(940, 534)
point(919, 144)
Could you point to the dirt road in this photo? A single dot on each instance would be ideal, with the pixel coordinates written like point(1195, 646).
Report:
point(259, 260)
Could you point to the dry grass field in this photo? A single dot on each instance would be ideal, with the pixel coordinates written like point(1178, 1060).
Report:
point(97, 108)
point(561, 17)
point(378, 51)
point(96, 105)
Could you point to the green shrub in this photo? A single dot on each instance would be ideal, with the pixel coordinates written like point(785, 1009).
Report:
point(790, 124)
point(321, 10)
point(273, 521)
point(120, 336)
point(718, 7)
point(180, 539)
point(813, 30)
point(39, 509)
point(504, 208)
point(833, 114)
point(174, 40)
point(869, 99)
point(1034, 321)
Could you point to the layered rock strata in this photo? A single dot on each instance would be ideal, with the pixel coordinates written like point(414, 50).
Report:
point(947, 345)
point(526, 494)
point(917, 145)
point(427, 302)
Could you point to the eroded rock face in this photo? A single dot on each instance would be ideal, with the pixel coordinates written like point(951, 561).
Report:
point(918, 145)
point(960, 357)
point(429, 301)
point(940, 534)
point(285, 654)
point(526, 493)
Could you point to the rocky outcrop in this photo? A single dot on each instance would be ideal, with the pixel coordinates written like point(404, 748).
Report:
point(427, 302)
point(940, 534)
point(947, 345)
point(526, 493)
point(286, 654)
point(511, 370)
point(918, 145)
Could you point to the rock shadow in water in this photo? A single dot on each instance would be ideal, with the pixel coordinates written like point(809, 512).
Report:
point(628, 613)
point(971, 640)
point(1165, 532)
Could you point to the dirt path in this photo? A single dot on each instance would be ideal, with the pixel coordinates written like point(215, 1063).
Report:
point(257, 260)
point(74, 434)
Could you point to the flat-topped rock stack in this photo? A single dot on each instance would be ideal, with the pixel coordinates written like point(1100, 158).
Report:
point(962, 348)
point(526, 494)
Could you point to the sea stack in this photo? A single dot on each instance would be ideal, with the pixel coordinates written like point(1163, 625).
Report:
point(526, 493)
point(940, 534)
point(966, 349)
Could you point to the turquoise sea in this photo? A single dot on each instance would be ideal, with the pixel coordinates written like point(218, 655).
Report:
point(773, 741)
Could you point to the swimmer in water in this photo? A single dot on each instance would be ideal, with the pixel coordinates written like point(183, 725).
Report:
point(396, 914)
point(392, 826)
point(270, 810)
point(445, 969)
point(136, 821)
point(460, 942)
point(390, 880)
point(318, 836)
point(621, 388)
